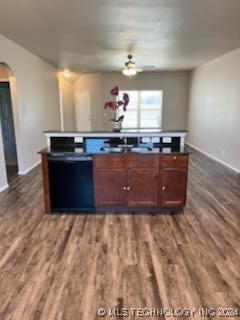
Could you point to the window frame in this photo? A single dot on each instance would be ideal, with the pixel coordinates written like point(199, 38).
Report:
point(139, 109)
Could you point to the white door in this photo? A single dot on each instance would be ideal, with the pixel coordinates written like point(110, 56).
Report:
point(83, 111)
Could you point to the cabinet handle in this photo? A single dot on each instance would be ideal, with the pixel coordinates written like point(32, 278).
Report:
point(128, 188)
point(163, 188)
point(175, 158)
point(124, 188)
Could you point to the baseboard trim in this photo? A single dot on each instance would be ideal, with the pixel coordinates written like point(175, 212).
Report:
point(4, 187)
point(21, 173)
point(212, 157)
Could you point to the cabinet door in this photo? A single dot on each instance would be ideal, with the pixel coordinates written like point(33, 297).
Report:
point(142, 187)
point(110, 187)
point(173, 189)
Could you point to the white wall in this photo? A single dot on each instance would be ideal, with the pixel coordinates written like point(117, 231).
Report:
point(175, 86)
point(36, 103)
point(67, 103)
point(214, 109)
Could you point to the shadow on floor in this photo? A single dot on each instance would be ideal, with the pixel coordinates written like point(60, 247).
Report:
point(12, 171)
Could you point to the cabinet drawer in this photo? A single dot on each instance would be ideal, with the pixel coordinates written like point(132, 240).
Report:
point(142, 161)
point(126, 161)
point(171, 161)
point(110, 161)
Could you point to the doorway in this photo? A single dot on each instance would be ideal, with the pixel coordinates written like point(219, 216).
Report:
point(8, 132)
point(83, 111)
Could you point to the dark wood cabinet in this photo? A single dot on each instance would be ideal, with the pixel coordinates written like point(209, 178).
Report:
point(140, 181)
point(174, 161)
point(109, 187)
point(143, 186)
point(173, 187)
point(126, 180)
point(173, 172)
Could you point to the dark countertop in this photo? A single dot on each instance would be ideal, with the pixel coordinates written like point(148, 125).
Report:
point(78, 151)
point(146, 130)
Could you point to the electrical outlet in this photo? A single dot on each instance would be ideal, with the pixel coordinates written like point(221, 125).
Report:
point(78, 139)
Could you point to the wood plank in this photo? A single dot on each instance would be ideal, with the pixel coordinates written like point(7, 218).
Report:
point(66, 266)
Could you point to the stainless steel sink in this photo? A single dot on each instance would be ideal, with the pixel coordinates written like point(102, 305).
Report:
point(112, 149)
point(141, 149)
point(127, 148)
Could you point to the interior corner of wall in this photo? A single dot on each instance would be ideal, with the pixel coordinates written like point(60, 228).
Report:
point(3, 186)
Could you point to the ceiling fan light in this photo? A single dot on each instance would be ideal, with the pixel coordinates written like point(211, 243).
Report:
point(129, 72)
point(131, 68)
point(131, 65)
point(133, 72)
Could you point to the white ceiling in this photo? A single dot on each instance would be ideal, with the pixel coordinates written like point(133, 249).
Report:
point(97, 35)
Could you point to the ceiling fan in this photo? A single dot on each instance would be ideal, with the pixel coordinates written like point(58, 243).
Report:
point(131, 69)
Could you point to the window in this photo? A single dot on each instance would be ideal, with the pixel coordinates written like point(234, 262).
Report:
point(144, 109)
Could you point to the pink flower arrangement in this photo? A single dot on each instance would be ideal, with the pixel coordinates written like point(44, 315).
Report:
point(115, 103)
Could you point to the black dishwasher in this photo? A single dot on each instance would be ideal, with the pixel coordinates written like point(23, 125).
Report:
point(71, 183)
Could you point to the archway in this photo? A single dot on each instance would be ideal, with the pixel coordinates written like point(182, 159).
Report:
point(8, 121)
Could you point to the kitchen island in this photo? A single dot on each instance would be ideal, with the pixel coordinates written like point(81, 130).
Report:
point(132, 170)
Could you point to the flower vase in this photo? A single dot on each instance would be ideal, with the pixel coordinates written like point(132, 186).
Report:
point(117, 126)
point(115, 105)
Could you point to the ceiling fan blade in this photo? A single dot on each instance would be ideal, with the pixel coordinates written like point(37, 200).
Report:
point(148, 67)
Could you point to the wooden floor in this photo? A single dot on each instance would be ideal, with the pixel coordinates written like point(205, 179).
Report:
point(66, 267)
